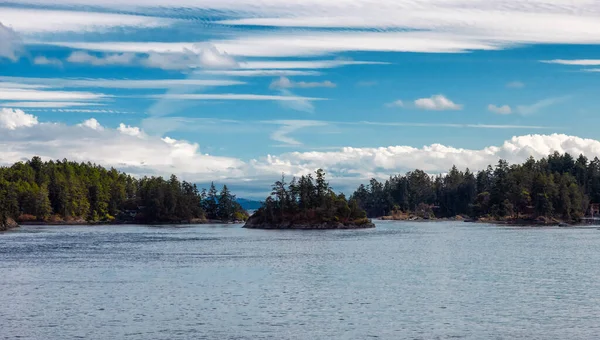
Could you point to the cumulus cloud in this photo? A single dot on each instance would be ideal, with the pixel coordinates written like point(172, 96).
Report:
point(11, 45)
point(286, 83)
point(501, 110)
point(22, 136)
point(93, 124)
point(130, 130)
point(11, 119)
point(437, 103)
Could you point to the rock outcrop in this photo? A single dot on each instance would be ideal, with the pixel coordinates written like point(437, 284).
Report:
point(255, 223)
point(9, 224)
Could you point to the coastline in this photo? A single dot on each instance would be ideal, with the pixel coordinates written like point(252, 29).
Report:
point(513, 222)
point(80, 222)
point(308, 226)
point(10, 224)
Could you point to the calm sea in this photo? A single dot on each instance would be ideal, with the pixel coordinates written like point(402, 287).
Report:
point(400, 281)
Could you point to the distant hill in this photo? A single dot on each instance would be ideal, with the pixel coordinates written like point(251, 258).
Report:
point(249, 204)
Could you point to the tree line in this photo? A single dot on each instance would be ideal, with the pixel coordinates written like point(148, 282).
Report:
point(557, 186)
point(309, 199)
point(56, 191)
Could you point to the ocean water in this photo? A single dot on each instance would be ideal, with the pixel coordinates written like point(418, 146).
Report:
point(402, 280)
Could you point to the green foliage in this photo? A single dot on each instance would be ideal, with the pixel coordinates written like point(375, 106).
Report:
point(308, 200)
point(555, 187)
point(63, 190)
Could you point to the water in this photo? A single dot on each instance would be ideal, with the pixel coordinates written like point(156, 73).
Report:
point(400, 281)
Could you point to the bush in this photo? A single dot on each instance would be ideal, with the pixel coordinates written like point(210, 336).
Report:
point(26, 218)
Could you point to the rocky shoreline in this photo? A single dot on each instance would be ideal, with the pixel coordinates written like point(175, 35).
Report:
point(254, 224)
point(10, 224)
point(513, 221)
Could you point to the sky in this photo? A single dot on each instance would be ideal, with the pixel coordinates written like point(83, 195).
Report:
point(240, 92)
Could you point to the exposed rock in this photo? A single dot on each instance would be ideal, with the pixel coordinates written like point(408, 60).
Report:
point(9, 224)
point(254, 223)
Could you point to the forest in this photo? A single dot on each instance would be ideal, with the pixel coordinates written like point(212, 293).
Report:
point(556, 187)
point(63, 191)
point(308, 200)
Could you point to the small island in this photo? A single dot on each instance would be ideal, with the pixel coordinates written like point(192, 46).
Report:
point(308, 203)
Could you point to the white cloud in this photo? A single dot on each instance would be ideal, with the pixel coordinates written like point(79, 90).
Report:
point(93, 124)
point(393, 25)
point(539, 105)
point(231, 96)
point(397, 103)
point(81, 57)
point(47, 104)
point(303, 64)
point(289, 126)
point(196, 56)
point(32, 21)
point(289, 100)
point(437, 103)
point(10, 43)
point(37, 95)
point(23, 82)
point(22, 136)
point(577, 62)
point(130, 130)
point(501, 110)
point(515, 85)
point(261, 73)
point(286, 83)
point(42, 60)
point(11, 119)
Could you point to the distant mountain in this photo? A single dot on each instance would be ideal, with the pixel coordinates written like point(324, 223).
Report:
point(249, 204)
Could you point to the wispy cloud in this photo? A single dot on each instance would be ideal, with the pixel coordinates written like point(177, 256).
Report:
point(540, 105)
point(35, 21)
point(116, 83)
point(35, 104)
point(289, 126)
point(397, 103)
point(10, 43)
point(286, 83)
point(37, 95)
point(197, 56)
point(437, 103)
point(291, 101)
point(515, 85)
point(42, 60)
point(232, 96)
point(501, 110)
point(577, 62)
point(260, 73)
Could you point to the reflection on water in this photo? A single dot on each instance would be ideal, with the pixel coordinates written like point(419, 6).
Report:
point(399, 281)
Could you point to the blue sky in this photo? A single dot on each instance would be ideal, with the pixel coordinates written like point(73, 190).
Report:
point(242, 91)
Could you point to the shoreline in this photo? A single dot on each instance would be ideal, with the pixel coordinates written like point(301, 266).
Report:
point(512, 222)
point(309, 226)
point(117, 223)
